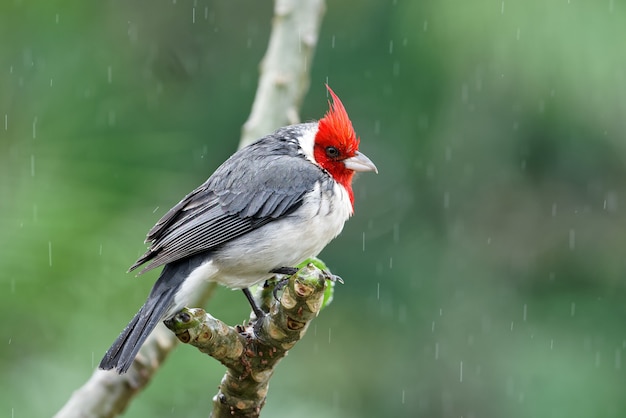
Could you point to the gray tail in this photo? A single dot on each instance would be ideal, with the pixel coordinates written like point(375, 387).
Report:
point(125, 348)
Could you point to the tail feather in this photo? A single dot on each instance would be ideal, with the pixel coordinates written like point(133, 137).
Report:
point(125, 348)
point(123, 351)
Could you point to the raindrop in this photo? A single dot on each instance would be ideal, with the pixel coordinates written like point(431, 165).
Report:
point(552, 344)
point(587, 343)
point(610, 6)
point(133, 32)
point(572, 239)
point(390, 263)
point(396, 69)
point(485, 324)
point(50, 253)
point(502, 8)
point(461, 372)
point(50, 82)
point(378, 291)
point(553, 209)
point(510, 386)
point(363, 241)
point(390, 47)
point(206, 13)
point(525, 312)
point(332, 42)
point(35, 127)
point(430, 171)
point(402, 397)
point(436, 351)
point(517, 35)
point(572, 310)
point(111, 118)
point(6, 121)
point(432, 327)
point(329, 334)
point(402, 313)
point(610, 203)
point(193, 15)
point(100, 250)
point(56, 18)
point(512, 325)
point(425, 26)
point(155, 209)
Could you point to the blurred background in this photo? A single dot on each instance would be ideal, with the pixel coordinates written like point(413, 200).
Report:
point(484, 269)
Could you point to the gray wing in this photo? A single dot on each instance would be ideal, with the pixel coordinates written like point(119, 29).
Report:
point(243, 194)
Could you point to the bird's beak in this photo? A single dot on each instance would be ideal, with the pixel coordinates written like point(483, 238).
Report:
point(360, 163)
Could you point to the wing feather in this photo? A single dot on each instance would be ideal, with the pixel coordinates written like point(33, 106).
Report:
point(233, 201)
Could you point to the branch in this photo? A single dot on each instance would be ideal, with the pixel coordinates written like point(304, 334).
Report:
point(252, 352)
point(284, 78)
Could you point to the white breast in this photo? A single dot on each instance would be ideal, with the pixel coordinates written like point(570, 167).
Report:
point(286, 242)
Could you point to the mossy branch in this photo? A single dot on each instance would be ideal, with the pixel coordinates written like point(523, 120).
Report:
point(251, 353)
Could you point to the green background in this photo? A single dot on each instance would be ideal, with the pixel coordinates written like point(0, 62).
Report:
point(484, 267)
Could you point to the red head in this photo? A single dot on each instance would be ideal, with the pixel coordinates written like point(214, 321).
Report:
point(336, 146)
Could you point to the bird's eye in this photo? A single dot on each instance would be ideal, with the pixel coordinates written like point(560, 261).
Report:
point(332, 152)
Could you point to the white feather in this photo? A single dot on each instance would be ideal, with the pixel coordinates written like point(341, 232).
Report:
point(307, 141)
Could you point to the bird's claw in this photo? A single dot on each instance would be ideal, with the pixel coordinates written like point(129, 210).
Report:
point(280, 285)
point(290, 271)
point(332, 277)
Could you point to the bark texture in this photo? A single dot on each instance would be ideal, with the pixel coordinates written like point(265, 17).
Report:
point(251, 353)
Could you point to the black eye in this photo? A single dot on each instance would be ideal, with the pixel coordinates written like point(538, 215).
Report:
point(332, 152)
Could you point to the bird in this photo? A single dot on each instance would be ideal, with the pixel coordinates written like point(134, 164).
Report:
point(267, 208)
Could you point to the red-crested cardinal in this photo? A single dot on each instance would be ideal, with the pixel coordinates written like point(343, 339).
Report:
point(270, 206)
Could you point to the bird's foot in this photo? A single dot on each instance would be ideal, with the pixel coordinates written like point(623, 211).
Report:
point(280, 284)
point(332, 277)
point(258, 312)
